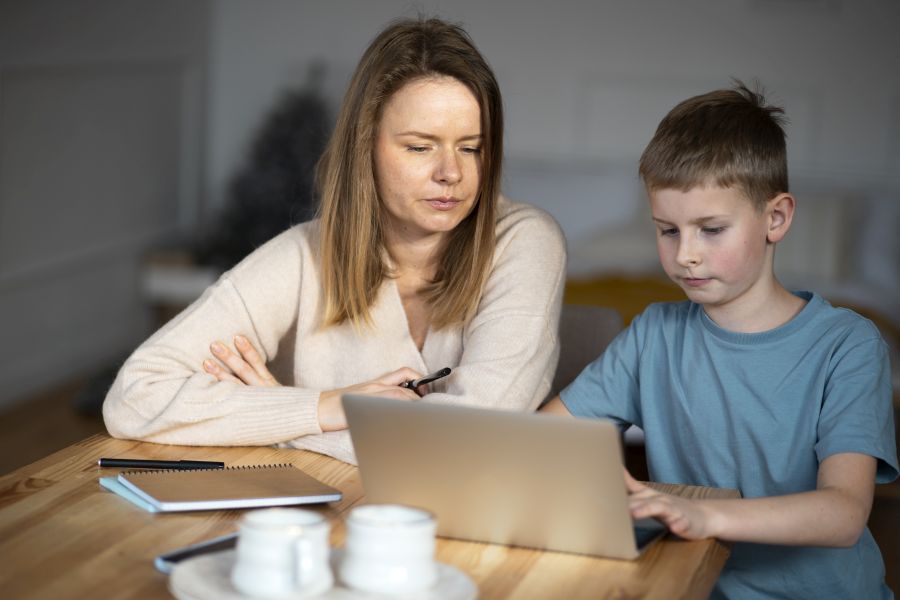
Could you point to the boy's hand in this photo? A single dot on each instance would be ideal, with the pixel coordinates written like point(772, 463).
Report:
point(685, 518)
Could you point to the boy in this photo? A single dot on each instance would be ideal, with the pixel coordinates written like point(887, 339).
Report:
point(747, 385)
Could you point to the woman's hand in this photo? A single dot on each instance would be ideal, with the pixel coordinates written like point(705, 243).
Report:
point(331, 412)
point(247, 368)
point(684, 517)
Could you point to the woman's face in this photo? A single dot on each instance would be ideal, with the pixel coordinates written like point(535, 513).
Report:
point(428, 157)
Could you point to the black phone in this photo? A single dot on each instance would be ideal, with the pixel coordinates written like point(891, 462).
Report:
point(166, 562)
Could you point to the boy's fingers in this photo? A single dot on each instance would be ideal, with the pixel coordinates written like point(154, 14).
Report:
point(652, 508)
point(632, 484)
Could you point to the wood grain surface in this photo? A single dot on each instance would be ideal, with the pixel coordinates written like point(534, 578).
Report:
point(63, 536)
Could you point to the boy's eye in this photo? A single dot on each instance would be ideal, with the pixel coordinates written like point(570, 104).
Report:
point(713, 230)
point(669, 231)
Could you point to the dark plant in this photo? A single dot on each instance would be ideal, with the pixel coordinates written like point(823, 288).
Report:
point(275, 189)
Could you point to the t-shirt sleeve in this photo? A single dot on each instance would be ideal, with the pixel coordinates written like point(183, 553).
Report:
point(857, 411)
point(608, 388)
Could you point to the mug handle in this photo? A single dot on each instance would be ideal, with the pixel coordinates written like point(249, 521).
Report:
point(304, 562)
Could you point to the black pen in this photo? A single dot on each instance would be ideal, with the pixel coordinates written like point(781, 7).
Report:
point(414, 383)
point(134, 463)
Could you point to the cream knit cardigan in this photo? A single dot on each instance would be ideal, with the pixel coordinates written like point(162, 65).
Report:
point(504, 358)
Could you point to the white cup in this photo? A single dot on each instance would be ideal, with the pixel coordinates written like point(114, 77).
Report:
point(282, 552)
point(389, 549)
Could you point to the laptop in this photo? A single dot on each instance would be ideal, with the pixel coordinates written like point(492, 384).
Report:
point(520, 479)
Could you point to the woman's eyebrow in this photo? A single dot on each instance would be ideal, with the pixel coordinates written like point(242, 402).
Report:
point(431, 136)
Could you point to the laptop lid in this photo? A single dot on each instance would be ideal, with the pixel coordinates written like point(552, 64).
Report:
point(539, 481)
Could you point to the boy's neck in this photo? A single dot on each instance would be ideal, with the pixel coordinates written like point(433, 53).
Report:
point(766, 306)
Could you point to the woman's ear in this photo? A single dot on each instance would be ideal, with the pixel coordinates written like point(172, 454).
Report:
point(780, 213)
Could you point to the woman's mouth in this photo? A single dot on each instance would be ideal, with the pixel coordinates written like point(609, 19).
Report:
point(443, 203)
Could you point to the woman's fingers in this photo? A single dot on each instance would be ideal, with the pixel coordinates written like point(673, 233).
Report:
point(400, 376)
point(384, 390)
point(217, 371)
point(253, 358)
point(396, 392)
point(331, 412)
point(235, 363)
point(247, 368)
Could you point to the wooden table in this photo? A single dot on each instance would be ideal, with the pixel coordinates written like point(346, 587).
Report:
point(63, 536)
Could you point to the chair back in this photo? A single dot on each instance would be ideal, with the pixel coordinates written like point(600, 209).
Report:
point(584, 332)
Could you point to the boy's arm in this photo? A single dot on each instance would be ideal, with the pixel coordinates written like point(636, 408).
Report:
point(832, 515)
point(556, 407)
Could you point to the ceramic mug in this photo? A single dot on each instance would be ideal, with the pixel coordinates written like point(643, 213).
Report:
point(389, 549)
point(282, 552)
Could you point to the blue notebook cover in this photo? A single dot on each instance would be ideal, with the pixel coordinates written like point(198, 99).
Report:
point(113, 485)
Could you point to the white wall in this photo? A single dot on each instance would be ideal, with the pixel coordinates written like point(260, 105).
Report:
point(100, 104)
point(588, 81)
point(121, 119)
point(585, 84)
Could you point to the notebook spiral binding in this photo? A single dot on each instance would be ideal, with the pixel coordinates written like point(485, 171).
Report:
point(234, 468)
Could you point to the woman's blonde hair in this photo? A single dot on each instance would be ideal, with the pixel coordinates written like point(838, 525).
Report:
point(352, 218)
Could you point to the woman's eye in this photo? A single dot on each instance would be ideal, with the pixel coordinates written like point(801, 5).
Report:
point(417, 149)
point(471, 149)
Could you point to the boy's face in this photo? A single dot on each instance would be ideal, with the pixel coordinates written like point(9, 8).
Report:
point(712, 242)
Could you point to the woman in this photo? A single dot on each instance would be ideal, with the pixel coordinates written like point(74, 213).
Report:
point(416, 262)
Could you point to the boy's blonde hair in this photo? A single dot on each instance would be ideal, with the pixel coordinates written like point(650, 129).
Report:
point(726, 138)
point(352, 216)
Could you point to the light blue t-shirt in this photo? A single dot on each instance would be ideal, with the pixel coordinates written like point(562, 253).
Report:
point(755, 412)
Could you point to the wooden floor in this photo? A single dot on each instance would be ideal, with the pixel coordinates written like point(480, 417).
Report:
point(49, 422)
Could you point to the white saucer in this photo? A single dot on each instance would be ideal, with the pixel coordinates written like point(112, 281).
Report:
point(208, 577)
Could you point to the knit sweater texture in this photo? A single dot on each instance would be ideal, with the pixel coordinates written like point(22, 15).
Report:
point(503, 358)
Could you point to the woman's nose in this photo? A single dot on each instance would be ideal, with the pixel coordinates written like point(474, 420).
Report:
point(447, 171)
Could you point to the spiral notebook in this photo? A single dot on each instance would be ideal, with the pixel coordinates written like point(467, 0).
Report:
point(213, 489)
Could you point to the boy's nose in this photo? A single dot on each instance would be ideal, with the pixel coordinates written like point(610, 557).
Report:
point(687, 255)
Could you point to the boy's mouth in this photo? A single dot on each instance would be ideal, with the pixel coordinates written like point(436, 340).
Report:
point(695, 281)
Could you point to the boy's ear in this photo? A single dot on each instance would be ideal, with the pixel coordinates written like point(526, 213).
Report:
point(780, 213)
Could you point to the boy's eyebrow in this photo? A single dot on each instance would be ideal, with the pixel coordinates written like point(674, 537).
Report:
point(429, 136)
point(697, 221)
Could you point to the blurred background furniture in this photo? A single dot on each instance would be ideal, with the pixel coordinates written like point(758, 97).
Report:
point(127, 127)
point(584, 332)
